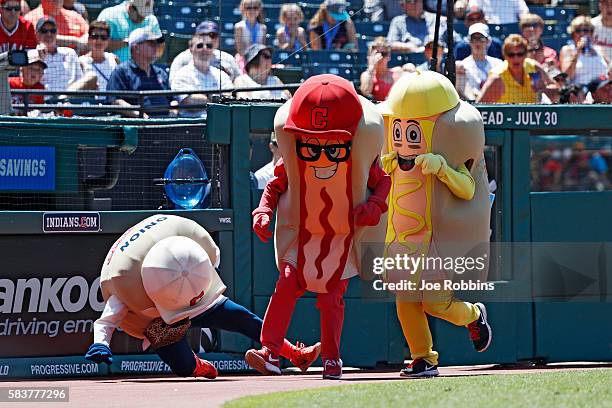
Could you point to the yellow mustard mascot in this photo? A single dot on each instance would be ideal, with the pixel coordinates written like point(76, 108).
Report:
point(439, 210)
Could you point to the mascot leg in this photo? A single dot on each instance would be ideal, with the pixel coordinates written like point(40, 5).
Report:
point(445, 306)
point(416, 331)
point(280, 309)
point(183, 362)
point(331, 309)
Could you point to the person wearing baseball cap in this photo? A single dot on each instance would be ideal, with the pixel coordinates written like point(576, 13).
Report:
point(473, 71)
point(158, 279)
point(123, 19)
point(331, 28)
point(475, 15)
point(258, 66)
point(30, 77)
point(600, 90)
point(18, 33)
point(71, 26)
point(331, 188)
point(208, 30)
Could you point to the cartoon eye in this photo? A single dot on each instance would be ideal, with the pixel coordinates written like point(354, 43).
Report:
point(413, 133)
point(314, 151)
point(333, 151)
point(397, 132)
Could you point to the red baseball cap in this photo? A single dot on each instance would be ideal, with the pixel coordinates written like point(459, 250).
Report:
point(325, 106)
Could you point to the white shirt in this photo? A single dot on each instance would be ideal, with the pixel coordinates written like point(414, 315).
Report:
point(102, 69)
point(476, 73)
point(245, 81)
point(63, 69)
point(602, 38)
point(190, 78)
point(221, 60)
point(501, 11)
point(264, 174)
point(589, 66)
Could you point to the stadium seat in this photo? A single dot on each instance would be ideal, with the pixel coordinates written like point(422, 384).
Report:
point(272, 26)
point(272, 12)
point(345, 72)
point(182, 10)
point(372, 29)
point(399, 59)
point(228, 43)
point(173, 25)
point(556, 42)
point(330, 57)
point(503, 30)
point(294, 59)
point(554, 13)
point(460, 28)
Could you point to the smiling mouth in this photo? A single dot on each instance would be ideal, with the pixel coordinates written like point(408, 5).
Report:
point(325, 172)
point(406, 163)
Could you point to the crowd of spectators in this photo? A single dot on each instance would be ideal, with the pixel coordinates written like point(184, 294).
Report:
point(120, 50)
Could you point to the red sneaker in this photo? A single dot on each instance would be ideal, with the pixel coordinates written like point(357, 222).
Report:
point(263, 361)
point(204, 369)
point(332, 369)
point(304, 356)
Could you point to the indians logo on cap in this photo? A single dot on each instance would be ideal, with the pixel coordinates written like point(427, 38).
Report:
point(318, 117)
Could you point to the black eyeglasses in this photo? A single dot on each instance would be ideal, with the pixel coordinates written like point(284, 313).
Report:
point(534, 49)
point(99, 37)
point(583, 30)
point(516, 54)
point(312, 152)
point(251, 7)
point(531, 25)
point(211, 35)
point(199, 46)
point(48, 30)
point(14, 8)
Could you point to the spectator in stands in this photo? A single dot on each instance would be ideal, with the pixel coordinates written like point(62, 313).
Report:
point(63, 70)
point(25, 7)
point(571, 94)
point(78, 7)
point(250, 30)
point(382, 10)
point(407, 33)
point(428, 53)
point(331, 28)
point(601, 90)
point(258, 61)
point(71, 27)
point(16, 32)
point(97, 61)
point(29, 77)
point(473, 16)
point(519, 79)
point(532, 27)
point(123, 19)
point(498, 11)
point(220, 59)
point(264, 174)
point(199, 74)
point(377, 80)
point(473, 71)
point(581, 60)
point(139, 74)
point(290, 36)
point(602, 36)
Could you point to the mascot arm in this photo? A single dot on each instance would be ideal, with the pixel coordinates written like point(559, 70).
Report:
point(460, 182)
point(103, 328)
point(273, 190)
point(380, 184)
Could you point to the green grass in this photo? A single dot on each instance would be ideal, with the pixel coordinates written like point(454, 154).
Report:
point(589, 389)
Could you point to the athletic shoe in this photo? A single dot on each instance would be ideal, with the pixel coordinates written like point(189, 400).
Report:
point(420, 368)
point(303, 356)
point(263, 361)
point(480, 331)
point(204, 369)
point(332, 369)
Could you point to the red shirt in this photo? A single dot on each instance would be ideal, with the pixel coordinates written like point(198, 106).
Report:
point(21, 37)
point(17, 83)
point(380, 88)
point(68, 22)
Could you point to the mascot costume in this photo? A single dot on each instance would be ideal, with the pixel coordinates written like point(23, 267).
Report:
point(439, 207)
point(158, 279)
point(330, 191)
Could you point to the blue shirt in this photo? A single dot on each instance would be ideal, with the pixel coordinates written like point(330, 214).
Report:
point(463, 49)
point(129, 77)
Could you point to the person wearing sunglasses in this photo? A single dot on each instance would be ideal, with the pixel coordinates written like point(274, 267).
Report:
point(199, 74)
point(97, 61)
point(16, 33)
point(602, 34)
point(378, 78)
point(519, 79)
point(209, 31)
point(532, 27)
point(580, 60)
point(497, 11)
point(331, 28)
point(71, 27)
point(123, 19)
point(258, 66)
point(475, 15)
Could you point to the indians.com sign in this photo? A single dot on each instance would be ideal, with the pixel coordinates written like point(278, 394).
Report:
point(71, 222)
